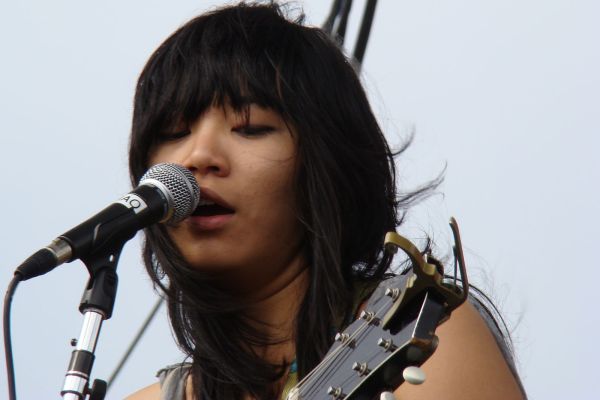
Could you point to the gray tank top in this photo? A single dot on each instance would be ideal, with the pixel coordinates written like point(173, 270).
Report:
point(172, 381)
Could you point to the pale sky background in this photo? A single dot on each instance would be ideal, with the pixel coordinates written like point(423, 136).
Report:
point(505, 93)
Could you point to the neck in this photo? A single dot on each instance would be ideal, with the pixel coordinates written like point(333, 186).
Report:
point(272, 305)
point(276, 304)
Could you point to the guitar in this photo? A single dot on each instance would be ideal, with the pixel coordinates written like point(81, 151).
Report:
point(395, 333)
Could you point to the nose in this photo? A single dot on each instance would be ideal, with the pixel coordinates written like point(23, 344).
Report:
point(206, 153)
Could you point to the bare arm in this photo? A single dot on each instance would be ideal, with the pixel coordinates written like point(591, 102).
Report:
point(151, 392)
point(467, 364)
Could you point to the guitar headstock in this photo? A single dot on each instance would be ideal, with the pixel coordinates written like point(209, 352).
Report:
point(395, 331)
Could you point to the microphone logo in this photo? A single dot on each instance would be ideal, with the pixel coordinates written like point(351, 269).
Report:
point(133, 202)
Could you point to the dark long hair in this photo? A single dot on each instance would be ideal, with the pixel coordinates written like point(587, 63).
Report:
point(345, 180)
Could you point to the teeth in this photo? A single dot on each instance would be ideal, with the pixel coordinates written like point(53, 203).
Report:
point(206, 202)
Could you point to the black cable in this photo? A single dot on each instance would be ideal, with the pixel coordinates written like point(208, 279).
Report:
point(134, 342)
point(335, 10)
point(337, 21)
point(365, 30)
point(340, 33)
point(10, 368)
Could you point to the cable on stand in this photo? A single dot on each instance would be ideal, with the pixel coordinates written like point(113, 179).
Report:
point(10, 368)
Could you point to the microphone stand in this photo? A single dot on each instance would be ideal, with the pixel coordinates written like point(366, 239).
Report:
point(96, 306)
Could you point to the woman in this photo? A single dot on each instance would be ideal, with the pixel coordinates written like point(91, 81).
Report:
point(298, 191)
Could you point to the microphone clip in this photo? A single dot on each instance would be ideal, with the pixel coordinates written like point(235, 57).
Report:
point(96, 306)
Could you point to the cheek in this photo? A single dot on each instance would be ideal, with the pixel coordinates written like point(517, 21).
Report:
point(160, 154)
point(273, 182)
point(272, 209)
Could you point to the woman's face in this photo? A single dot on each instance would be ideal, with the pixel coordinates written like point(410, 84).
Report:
point(244, 166)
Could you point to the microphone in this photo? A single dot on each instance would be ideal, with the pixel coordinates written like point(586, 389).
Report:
point(166, 193)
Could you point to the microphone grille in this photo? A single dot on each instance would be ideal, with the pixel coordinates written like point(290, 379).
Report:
point(181, 186)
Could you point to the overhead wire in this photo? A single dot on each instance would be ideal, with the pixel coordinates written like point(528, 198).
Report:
point(365, 30)
point(336, 24)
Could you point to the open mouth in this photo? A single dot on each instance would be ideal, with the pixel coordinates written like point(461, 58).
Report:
point(213, 209)
point(208, 208)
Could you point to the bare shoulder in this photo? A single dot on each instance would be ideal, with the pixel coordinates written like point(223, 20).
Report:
point(151, 392)
point(467, 364)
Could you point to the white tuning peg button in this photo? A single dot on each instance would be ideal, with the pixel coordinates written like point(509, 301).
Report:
point(413, 375)
point(387, 396)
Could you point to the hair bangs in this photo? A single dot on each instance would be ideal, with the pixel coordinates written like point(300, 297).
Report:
point(227, 60)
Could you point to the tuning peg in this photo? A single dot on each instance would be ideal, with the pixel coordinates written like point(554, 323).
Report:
point(361, 368)
point(335, 392)
point(394, 293)
point(369, 316)
point(386, 344)
point(341, 337)
point(345, 339)
point(413, 375)
point(387, 396)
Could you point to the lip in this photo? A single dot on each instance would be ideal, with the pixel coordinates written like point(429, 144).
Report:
point(208, 194)
point(209, 223)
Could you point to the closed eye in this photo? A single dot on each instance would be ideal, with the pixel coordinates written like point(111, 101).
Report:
point(168, 136)
point(253, 130)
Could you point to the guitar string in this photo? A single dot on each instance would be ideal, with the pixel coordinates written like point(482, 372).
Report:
point(327, 358)
point(374, 356)
point(334, 358)
point(318, 384)
point(323, 364)
point(333, 353)
point(368, 361)
point(341, 355)
point(337, 359)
